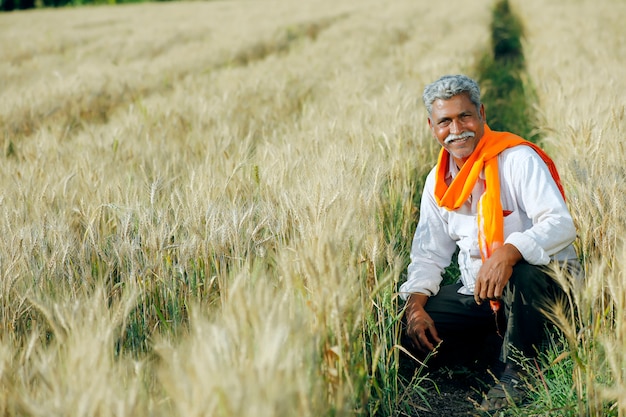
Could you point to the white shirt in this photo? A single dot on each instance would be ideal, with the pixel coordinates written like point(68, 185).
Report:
point(537, 222)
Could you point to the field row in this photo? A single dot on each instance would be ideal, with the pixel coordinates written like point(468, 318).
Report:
point(206, 206)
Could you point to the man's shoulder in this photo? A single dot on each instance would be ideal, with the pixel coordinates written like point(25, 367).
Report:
point(518, 154)
point(521, 162)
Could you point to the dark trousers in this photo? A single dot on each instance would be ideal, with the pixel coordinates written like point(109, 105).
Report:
point(472, 332)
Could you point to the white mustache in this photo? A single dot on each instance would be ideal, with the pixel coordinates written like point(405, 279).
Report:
point(463, 135)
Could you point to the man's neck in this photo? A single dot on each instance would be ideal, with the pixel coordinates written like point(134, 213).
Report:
point(459, 162)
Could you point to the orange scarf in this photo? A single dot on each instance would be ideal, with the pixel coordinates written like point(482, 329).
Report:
point(490, 216)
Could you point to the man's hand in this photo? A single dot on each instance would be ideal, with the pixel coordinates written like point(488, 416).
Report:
point(420, 326)
point(495, 273)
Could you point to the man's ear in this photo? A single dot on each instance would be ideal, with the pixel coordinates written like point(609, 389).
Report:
point(431, 127)
point(482, 113)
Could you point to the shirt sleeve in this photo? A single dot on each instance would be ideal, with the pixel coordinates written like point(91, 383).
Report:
point(538, 195)
point(432, 247)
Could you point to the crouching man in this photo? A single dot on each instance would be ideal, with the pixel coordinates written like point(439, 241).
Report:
point(498, 198)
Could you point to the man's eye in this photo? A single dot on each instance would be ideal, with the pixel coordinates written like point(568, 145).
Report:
point(444, 123)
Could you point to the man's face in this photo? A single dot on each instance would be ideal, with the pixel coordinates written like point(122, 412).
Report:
point(457, 116)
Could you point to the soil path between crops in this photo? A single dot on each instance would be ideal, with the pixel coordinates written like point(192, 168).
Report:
point(451, 391)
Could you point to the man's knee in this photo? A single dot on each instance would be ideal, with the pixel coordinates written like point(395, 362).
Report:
point(531, 281)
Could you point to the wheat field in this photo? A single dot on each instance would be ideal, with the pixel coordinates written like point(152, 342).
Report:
point(575, 54)
point(194, 196)
point(207, 206)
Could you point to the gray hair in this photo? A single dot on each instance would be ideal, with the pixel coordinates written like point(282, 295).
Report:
point(449, 86)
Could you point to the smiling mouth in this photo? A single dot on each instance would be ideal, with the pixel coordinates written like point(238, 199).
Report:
point(457, 141)
point(454, 141)
point(463, 137)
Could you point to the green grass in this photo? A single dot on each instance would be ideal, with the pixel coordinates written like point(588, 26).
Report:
point(506, 95)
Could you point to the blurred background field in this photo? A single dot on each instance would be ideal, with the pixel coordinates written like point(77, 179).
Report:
point(207, 206)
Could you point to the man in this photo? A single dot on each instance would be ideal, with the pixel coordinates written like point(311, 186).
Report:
point(498, 198)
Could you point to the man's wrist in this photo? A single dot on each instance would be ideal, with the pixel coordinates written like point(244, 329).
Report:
point(512, 253)
point(417, 299)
